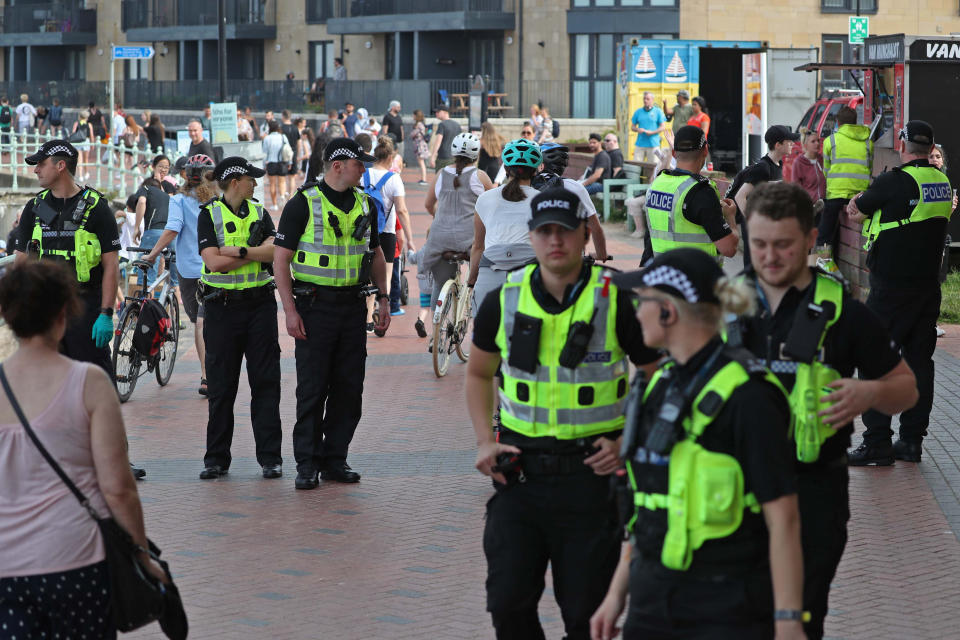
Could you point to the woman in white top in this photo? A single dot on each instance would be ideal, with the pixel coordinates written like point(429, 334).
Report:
point(501, 237)
point(393, 195)
point(451, 200)
point(272, 145)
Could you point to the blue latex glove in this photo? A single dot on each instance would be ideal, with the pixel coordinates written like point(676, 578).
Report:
point(102, 330)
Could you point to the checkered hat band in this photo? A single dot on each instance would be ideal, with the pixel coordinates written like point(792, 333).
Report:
point(59, 149)
point(342, 153)
point(229, 171)
point(673, 278)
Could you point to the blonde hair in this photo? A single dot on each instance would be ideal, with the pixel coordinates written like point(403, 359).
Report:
point(736, 297)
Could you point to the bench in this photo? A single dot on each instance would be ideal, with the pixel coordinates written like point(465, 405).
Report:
point(635, 180)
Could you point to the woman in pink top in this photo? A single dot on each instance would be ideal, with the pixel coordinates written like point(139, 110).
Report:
point(49, 545)
point(807, 168)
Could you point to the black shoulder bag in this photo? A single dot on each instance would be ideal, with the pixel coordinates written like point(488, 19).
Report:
point(136, 598)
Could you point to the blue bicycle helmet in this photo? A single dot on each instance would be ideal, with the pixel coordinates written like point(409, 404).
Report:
point(555, 157)
point(521, 153)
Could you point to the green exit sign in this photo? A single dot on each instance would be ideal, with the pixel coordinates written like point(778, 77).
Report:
point(859, 29)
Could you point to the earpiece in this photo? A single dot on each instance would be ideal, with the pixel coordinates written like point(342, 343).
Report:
point(664, 314)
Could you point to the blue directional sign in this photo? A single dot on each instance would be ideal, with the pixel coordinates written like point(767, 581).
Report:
point(132, 53)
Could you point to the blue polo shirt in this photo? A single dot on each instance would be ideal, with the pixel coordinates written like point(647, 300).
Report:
point(649, 120)
point(182, 218)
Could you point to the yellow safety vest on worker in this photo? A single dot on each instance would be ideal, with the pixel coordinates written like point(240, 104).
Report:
point(234, 231)
point(555, 400)
point(667, 226)
point(936, 201)
point(86, 251)
point(328, 253)
point(847, 161)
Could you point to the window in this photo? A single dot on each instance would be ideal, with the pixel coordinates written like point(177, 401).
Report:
point(321, 60)
point(592, 84)
point(831, 120)
point(848, 6)
point(319, 11)
point(805, 120)
point(837, 49)
point(137, 69)
point(76, 68)
point(642, 3)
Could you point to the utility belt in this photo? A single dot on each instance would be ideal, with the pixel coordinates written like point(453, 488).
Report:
point(551, 464)
point(648, 563)
point(209, 294)
point(840, 462)
point(307, 292)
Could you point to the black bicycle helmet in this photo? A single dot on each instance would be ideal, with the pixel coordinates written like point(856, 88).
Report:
point(556, 157)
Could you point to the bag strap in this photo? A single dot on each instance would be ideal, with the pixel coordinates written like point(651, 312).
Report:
point(84, 501)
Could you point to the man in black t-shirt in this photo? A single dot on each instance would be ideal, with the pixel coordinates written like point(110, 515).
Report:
point(612, 146)
point(198, 145)
point(904, 263)
point(446, 130)
point(49, 223)
point(782, 233)
point(393, 126)
point(324, 231)
point(599, 168)
point(769, 168)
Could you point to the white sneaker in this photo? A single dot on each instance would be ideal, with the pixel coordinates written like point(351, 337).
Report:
point(940, 332)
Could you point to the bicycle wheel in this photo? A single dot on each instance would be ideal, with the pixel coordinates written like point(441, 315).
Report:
point(443, 334)
point(168, 352)
point(463, 327)
point(126, 358)
point(404, 290)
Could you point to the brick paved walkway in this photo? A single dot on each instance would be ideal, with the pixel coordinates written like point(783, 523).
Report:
point(399, 555)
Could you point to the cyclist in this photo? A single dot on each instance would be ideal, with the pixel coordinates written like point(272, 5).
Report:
point(182, 227)
point(235, 236)
point(566, 448)
point(555, 159)
point(451, 200)
point(501, 238)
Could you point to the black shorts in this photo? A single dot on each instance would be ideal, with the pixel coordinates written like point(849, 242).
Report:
point(276, 169)
point(292, 169)
point(188, 291)
point(388, 242)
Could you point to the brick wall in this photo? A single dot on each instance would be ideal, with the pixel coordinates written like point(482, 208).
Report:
point(852, 258)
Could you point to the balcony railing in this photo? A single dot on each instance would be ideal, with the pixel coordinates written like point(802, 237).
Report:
point(140, 14)
point(364, 8)
point(56, 17)
point(196, 94)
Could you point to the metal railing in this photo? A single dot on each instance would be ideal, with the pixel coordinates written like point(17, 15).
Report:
point(54, 17)
point(362, 8)
point(196, 94)
point(71, 93)
point(104, 166)
point(139, 14)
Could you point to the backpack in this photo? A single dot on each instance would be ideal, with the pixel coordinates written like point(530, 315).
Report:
point(376, 195)
point(55, 114)
point(556, 129)
point(153, 327)
point(545, 181)
point(6, 115)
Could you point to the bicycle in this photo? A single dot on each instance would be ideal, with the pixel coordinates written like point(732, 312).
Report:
point(451, 317)
point(127, 359)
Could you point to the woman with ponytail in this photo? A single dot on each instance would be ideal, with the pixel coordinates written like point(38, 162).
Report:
point(501, 237)
point(714, 550)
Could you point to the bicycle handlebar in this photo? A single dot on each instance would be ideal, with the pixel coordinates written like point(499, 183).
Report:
point(167, 252)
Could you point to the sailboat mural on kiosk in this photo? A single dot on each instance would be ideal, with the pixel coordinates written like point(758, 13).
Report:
point(676, 72)
point(644, 69)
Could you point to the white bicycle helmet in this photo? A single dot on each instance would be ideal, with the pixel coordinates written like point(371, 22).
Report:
point(466, 144)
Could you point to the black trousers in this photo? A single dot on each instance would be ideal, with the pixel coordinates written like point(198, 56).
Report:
point(232, 332)
point(910, 315)
point(828, 230)
point(568, 521)
point(665, 605)
point(331, 366)
point(824, 512)
point(78, 341)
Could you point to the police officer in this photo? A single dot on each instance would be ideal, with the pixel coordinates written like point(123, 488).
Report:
point(235, 236)
point(715, 545)
point(562, 335)
point(847, 165)
point(813, 335)
point(325, 240)
point(684, 209)
point(74, 225)
point(908, 209)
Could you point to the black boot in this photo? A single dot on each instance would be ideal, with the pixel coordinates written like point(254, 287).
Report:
point(871, 455)
point(907, 451)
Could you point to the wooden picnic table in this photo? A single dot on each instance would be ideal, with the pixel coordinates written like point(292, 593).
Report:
point(458, 102)
point(495, 103)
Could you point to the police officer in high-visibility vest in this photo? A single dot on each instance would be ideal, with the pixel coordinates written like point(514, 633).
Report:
point(235, 236)
point(324, 240)
point(905, 213)
point(847, 165)
point(715, 531)
point(813, 335)
point(74, 225)
point(562, 334)
point(684, 209)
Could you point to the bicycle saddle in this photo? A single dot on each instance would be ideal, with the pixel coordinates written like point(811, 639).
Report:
point(141, 264)
point(455, 255)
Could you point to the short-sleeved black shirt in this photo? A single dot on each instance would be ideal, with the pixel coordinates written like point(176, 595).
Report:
point(207, 233)
point(393, 125)
point(101, 223)
point(856, 342)
point(293, 220)
point(616, 160)
point(600, 161)
point(701, 206)
point(763, 170)
point(910, 255)
point(158, 203)
point(752, 427)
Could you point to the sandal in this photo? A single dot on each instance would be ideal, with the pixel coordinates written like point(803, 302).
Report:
point(203, 387)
